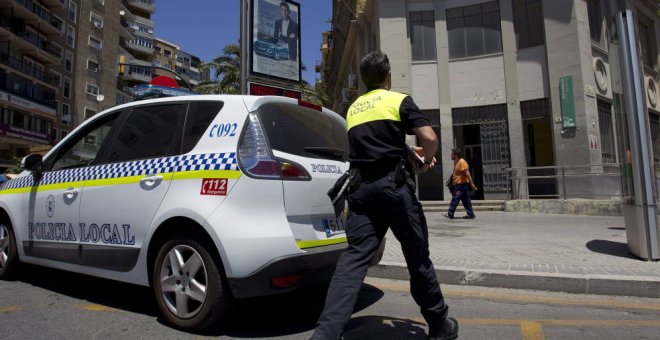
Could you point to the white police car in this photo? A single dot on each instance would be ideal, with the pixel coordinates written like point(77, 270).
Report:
point(205, 198)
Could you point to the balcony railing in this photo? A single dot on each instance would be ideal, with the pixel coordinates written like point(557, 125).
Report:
point(41, 12)
point(19, 29)
point(142, 5)
point(26, 68)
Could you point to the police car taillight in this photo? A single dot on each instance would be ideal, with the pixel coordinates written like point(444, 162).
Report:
point(256, 159)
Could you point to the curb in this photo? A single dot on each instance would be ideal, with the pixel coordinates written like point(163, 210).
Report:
point(567, 283)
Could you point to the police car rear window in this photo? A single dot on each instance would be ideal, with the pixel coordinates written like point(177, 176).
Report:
point(303, 131)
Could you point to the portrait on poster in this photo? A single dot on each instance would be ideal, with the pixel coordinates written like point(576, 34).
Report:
point(275, 39)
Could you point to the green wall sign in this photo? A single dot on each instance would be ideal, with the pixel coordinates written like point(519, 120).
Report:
point(567, 102)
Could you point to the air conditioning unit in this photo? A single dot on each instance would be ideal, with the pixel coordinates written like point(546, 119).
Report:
point(98, 25)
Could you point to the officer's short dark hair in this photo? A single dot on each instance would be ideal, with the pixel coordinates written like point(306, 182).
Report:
point(374, 68)
point(458, 152)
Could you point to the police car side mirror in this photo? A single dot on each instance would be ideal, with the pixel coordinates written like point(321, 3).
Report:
point(32, 163)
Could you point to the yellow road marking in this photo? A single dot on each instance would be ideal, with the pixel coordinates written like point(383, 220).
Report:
point(531, 330)
point(548, 322)
point(10, 309)
point(99, 308)
point(531, 298)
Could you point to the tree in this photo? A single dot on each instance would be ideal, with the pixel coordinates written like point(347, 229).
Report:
point(226, 72)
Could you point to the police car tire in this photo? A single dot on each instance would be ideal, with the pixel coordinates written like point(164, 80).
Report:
point(218, 299)
point(8, 249)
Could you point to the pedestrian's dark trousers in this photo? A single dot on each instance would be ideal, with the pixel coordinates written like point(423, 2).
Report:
point(373, 207)
point(461, 194)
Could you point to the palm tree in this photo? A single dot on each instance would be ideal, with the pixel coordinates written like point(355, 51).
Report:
point(226, 72)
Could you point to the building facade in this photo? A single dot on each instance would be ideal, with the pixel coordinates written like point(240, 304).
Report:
point(62, 61)
point(33, 102)
point(169, 56)
point(524, 87)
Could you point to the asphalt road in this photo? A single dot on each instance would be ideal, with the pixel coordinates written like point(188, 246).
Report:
point(50, 304)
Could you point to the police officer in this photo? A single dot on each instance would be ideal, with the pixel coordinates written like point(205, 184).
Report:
point(385, 197)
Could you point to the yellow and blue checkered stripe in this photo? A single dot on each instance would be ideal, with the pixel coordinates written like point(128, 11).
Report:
point(184, 167)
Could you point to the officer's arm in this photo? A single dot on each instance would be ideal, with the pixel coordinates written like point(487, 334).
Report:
point(427, 140)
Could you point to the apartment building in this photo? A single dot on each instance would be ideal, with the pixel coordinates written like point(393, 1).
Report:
point(169, 56)
point(111, 33)
point(34, 99)
point(528, 85)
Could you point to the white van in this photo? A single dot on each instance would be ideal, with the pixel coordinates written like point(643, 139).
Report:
point(205, 198)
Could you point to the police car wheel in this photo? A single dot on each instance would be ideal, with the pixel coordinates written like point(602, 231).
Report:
point(188, 284)
point(8, 253)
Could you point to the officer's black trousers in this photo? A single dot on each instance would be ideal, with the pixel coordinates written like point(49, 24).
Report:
point(374, 207)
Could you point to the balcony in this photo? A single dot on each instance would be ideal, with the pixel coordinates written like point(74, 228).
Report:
point(25, 97)
point(142, 6)
point(54, 4)
point(34, 13)
point(138, 47)
point(30, 42)
point(27, 69)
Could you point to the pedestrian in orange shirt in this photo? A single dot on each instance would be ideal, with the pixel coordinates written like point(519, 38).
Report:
point(462, 179)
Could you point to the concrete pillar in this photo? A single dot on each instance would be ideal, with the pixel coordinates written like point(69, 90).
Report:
point(568, 46)
point(393, 27)
point(509, 51)
point(444, 91)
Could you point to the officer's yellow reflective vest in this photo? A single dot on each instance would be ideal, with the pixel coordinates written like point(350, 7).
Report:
point(375, 105)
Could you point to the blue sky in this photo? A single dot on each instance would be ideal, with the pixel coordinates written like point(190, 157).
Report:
point(204, 27)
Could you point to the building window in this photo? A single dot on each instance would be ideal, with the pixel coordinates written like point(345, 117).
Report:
point(92, 65)
point(55, 78)
point(66, 114)
point(596, 20)
point(66, 90)
point(422, 35)
point(607, 145)
point(73, 12)
point(654, 122)
point(89, 112)
point(647, 42)
point(59, 23)
point(100, 2)
point(68, 61)
point(96, 20)
point(474, 30)
point(70, 36)
point(94, 43)
point(528, 23)
point(92, 89)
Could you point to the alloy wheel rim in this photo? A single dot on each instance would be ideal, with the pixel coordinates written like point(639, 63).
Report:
point(4, 245)
point(183, 281)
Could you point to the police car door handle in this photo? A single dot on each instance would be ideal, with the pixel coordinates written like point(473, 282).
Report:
point(71, 193)
point(151, 181)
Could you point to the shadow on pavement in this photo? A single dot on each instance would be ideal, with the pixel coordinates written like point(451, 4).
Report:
point(610, 248)
point(270, 316)
point(381, 327)
point(285, 314)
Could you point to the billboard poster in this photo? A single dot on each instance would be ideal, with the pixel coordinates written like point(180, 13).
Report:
point(275, 39)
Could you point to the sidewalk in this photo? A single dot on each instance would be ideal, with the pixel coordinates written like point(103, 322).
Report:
point(568, 253)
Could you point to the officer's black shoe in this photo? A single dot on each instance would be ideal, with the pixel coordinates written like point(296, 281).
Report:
point(449, 331)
